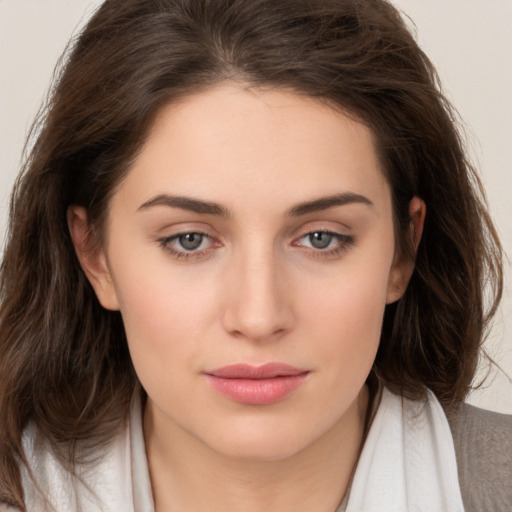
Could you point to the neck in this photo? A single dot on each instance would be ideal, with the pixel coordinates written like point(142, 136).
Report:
point(188, 475)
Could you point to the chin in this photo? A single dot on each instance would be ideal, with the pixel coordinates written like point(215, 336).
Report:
point(258, 442)
point(263, 450)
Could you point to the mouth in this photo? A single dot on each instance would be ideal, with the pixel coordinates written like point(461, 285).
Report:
point(256, 385)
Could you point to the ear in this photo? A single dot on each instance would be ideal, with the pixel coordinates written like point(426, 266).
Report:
point(92, 258)
point(403, 266)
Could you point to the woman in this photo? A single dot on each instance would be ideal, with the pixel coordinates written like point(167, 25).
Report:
point(237, 276)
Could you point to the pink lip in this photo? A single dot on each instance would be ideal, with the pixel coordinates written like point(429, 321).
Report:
point(256, 385)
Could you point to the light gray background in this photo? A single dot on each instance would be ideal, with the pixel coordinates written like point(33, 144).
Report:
point(470, 41)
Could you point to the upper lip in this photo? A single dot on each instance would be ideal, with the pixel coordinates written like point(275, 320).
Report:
point(247, 371)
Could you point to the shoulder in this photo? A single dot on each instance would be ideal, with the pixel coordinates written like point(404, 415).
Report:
point(483, 447)
point(99, 478)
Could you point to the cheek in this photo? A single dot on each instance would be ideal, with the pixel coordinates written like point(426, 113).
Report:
point(159, 311)
point(165, 314)
point(348, 312)
point(163, 336)
point(158, 298)
point(351, 322)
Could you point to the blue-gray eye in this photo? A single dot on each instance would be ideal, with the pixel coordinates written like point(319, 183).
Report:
point(190, 241)
point(320, 239)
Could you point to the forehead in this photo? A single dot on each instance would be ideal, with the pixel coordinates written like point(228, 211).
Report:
point(232, 143)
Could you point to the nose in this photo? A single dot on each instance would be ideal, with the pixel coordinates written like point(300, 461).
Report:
point(259, 304)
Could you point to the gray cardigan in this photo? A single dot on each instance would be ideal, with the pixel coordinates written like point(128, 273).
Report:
point(483, 447)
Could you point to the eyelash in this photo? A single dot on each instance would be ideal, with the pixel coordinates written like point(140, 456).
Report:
point(344, 243)
point(184, 254)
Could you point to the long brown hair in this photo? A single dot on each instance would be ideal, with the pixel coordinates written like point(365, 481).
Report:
point(64, 362)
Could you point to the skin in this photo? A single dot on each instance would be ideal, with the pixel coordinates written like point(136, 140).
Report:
point(255, 291)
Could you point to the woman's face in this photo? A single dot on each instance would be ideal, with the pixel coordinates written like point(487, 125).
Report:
point(250, 251)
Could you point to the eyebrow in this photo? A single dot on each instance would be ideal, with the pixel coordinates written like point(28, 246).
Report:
point(186, 203)
point(324, 203)
point(210, 208)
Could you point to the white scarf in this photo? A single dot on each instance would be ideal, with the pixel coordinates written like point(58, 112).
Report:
point(408, 461)
point(407, 465)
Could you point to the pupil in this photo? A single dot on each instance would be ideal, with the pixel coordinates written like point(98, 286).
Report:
point(320, 240)
point(190, 241)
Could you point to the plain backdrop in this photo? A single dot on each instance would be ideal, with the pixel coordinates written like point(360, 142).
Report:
point(470, 42)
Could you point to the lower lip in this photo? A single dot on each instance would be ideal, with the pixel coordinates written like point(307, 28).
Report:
point(257, 391)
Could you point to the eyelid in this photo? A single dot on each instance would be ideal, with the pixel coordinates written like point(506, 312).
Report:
point(345, 242)
point(333, 228)
point(166, 243)
point(182, 227)
point(331, 232)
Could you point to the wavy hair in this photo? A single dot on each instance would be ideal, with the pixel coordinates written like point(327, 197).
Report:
point(64, 361)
